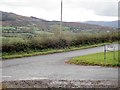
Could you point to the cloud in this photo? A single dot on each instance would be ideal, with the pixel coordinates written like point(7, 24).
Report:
point(100, 8)
point(44, 4)
point(84, 15)
point(73, 10)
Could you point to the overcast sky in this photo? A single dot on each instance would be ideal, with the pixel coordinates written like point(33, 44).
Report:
point(73, 10)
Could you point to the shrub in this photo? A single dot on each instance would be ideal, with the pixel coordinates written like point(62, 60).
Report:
point(54, 42)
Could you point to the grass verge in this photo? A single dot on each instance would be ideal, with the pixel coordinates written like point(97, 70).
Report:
point(97, 59)
point(47, 51)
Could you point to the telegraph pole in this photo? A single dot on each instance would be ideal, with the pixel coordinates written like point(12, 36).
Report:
point(61, 19)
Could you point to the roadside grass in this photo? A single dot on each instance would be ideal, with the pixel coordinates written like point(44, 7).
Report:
point(45, 51)
point(97, 59)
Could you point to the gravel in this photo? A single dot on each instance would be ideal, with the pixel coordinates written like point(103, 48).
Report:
point(60, 84)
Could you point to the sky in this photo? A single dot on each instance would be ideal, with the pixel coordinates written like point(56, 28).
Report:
point(73, 10)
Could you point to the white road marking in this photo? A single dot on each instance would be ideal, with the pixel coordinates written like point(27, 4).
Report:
point(34, 78)
point(7, 76)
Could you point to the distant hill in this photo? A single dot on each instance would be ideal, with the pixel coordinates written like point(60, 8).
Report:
point(12, 19)
point(103, 23)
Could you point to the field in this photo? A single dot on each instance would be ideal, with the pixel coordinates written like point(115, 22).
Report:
point(97, 59)
point(28, 41)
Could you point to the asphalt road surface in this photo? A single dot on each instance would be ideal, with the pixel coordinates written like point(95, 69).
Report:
point(53, 67)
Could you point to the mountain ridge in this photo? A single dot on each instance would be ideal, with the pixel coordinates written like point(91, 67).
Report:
point(113, 24)
point(12, 19)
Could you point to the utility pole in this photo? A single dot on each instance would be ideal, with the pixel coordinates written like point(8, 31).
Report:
point(61, 19)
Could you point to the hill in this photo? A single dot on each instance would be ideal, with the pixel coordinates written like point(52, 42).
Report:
point(103, 23)
point(14, 20)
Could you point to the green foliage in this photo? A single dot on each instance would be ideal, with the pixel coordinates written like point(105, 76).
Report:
point(52, 41)
point(6, 55)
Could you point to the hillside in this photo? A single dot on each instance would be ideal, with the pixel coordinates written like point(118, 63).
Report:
point(103, 23)
point(14, 20)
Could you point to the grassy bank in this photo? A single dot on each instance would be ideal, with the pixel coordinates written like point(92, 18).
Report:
point(97, 59)
point(46, 51)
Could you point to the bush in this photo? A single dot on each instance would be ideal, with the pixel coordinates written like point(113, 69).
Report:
point(53, 42)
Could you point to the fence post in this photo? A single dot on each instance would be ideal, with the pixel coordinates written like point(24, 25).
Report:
point(105, 54)
point(114, 53)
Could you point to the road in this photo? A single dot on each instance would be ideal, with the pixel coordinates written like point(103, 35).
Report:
point(53, 67)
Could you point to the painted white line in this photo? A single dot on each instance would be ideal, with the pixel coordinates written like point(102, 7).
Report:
point(38, 78)
point(34, 78)
point(7, 76)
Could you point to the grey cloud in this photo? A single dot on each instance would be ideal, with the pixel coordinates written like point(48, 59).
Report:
point(100, 8)
point(108, 9)
point(44, 4)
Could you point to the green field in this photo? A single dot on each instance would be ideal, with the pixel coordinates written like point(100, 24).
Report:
point(97, 59)
point(29, 41)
